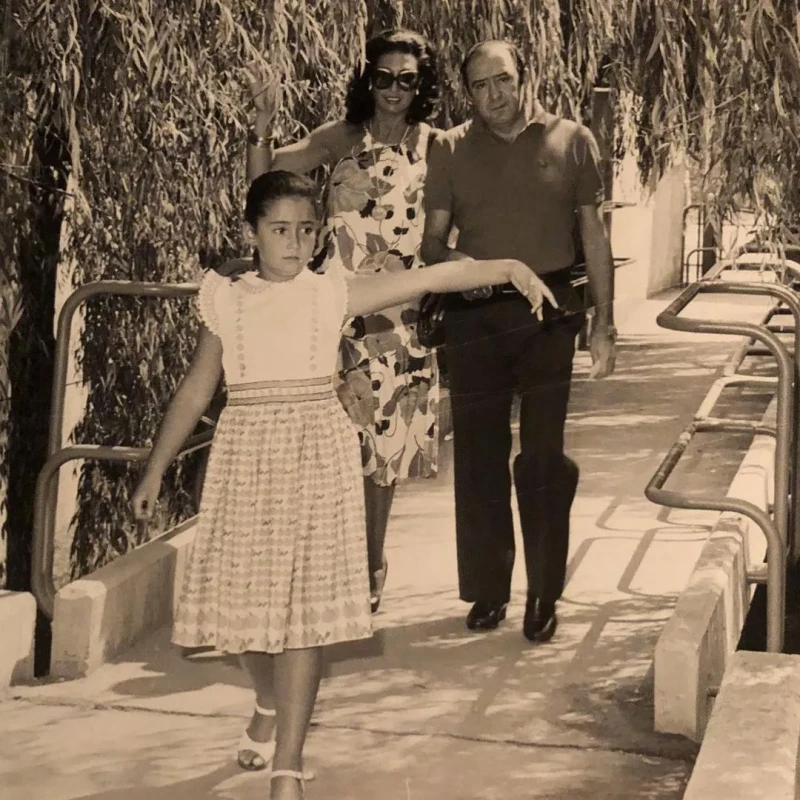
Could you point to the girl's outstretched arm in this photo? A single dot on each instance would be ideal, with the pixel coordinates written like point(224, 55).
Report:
point(371, 293)
point(185, 409)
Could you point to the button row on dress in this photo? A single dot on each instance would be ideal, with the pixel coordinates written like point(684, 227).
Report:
point(312, 362)
point(240, 335)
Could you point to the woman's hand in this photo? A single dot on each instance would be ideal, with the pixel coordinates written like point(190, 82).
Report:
point(145, 498)
point(531, 286)
point(265, 92)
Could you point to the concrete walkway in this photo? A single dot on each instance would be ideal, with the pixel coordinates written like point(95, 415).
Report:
point(427, 710)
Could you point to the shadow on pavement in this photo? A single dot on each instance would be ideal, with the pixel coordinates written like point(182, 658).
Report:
point(202, 787)
point(426, 710)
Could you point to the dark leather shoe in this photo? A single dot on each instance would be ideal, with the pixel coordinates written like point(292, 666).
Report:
point(540, 620)
point(486, 616)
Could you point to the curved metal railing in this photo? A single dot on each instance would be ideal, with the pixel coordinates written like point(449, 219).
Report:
point(780, 529)
point(43, 534)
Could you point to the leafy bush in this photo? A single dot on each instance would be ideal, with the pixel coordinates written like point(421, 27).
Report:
point(129, 119)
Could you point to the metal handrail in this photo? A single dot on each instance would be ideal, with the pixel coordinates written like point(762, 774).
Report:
point(44, 516)
point(696, 251)
point(42, 580)
point(701, 208)
point(776, 529)
point(788, 297)
point(64, 327)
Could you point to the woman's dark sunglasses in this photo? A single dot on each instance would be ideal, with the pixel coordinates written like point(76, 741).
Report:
point(384, 79)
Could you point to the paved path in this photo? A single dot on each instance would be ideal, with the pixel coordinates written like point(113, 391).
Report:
point(426, 710)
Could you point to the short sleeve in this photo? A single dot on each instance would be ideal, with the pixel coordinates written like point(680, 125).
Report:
point(438, 193)
point(206, 300)
point(341, 293)
point(589, 190)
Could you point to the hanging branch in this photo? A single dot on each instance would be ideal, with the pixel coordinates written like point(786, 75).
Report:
point(145, 105)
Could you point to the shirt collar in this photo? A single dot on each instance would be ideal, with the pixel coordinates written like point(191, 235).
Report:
point(536, 117)
point(539, 116)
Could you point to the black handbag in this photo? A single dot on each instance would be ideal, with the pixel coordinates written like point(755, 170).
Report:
point(430, 322)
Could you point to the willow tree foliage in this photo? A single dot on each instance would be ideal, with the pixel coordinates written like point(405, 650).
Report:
point(122, 152)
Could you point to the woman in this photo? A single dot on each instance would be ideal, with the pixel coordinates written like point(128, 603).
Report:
point(374, 222)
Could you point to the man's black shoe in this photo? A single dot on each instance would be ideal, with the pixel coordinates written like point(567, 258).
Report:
point(486, 616)
point(540, 620)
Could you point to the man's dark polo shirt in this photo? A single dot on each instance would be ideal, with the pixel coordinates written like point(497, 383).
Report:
point(516, 199)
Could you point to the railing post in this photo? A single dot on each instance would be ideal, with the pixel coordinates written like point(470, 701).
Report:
point(794, 515)
point(46, 494)
point(780, 536)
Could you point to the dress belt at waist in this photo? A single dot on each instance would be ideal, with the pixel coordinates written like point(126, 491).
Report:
point(241, 394)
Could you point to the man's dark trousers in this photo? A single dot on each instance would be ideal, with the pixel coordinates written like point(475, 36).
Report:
point(494, 349)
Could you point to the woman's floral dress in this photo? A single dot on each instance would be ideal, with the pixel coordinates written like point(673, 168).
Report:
point(375, 222)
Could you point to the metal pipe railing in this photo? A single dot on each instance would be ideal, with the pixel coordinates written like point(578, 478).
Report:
point(42, 581)
point(776, 529)
point(790, 300)
point(64, 327)
point(695, 252)
point(685, 266)
point(46, 494)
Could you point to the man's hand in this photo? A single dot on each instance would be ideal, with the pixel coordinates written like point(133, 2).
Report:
point(603, 349)
point(355, 394)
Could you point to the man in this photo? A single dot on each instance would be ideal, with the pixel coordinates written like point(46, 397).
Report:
point(514, 184)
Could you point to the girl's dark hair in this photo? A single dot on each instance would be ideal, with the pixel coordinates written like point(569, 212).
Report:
point(359, 103)
point(270, 187)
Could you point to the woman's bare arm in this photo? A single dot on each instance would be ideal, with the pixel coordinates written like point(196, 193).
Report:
point(303, 156)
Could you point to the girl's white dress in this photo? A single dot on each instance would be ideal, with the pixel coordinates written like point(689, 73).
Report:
point(280, 556)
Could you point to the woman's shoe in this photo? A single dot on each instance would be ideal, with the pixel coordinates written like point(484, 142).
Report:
point(380, 582)
point(290, 773)
point(264, 750)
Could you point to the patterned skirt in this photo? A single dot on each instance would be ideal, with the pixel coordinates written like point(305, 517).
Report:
point(280, 557)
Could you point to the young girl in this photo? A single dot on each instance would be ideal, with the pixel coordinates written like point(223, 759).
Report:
point(279, 565)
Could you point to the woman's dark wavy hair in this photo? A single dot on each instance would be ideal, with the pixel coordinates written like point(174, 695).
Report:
point(359, 102)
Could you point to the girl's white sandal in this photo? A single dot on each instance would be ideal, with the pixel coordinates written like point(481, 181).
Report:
point(264, 750)
point(290, 773)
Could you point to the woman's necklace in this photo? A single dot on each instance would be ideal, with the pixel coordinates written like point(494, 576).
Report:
point(380, 212)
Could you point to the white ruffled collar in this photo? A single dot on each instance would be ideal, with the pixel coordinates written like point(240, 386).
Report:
point(254, 281)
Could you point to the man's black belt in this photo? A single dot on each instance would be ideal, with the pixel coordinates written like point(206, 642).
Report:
point(558, 277)
point(507, 291)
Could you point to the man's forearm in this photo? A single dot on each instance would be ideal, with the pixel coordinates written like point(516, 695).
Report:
point(434, 251)
point(600, 274)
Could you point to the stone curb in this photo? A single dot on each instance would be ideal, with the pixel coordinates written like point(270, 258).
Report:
point(101, 615)
point(749, 750)
point(17, 626)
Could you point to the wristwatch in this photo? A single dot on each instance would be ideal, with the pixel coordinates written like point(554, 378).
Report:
point(262, 142)
point(610, 331)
